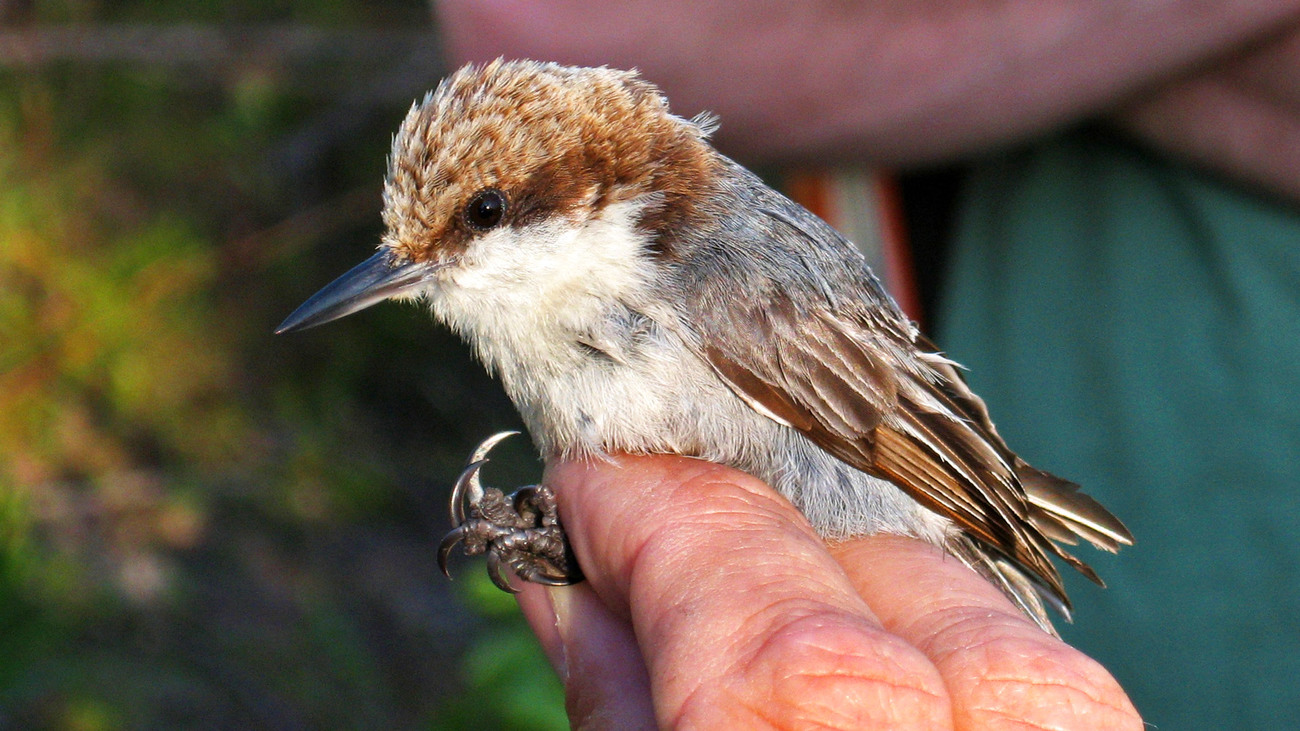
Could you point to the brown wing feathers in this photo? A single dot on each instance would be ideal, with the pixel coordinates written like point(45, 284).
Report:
point(1056, 506)
point(838, 381)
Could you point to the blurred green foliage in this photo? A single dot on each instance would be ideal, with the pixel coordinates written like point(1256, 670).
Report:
point(203, 526)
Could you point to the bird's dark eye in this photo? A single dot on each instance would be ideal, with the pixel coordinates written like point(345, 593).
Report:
point(485, 209)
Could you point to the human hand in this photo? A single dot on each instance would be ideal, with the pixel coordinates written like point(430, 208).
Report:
point(711, 603)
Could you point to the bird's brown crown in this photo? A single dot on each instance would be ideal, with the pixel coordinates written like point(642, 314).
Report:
point(555, 141)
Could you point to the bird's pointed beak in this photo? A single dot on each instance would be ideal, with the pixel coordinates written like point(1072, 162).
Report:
point(372, 281)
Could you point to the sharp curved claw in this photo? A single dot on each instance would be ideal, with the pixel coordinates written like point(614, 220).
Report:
point(469, 488)
point(467, 482)
point(481, 451)
point(449, 542)
point(518, 536)
point(494, 573)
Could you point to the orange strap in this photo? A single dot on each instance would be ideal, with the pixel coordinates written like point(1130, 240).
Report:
point(864, 205)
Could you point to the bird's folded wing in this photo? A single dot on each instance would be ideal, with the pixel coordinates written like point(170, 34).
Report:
point(857, 385)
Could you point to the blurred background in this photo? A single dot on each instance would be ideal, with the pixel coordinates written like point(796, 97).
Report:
point(203, 525)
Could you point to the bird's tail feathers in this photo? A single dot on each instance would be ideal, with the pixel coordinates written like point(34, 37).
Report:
point(1065, 513)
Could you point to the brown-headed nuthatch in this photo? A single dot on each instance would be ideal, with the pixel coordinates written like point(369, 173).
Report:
point(636, 291)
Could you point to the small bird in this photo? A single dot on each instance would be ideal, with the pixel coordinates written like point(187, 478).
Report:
point(637, 291)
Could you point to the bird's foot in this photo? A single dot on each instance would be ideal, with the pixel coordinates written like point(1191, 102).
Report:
point(521, 532)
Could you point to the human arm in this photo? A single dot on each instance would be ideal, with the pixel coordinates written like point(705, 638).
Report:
point(1240, 118)
point(710, 603)
point(889, 83)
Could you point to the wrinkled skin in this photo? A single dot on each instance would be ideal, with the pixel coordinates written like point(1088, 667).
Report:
point(880, 632)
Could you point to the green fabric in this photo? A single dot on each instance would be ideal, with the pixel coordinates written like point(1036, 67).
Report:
point(1135, 326)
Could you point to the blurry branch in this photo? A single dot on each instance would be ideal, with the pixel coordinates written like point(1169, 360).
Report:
point(206, 46)
point(358, 71)
point(358, 65)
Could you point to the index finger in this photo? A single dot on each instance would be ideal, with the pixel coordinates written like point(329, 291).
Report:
point(1001, 670)
point(743, 618)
